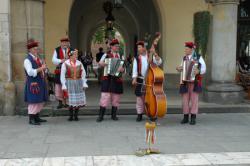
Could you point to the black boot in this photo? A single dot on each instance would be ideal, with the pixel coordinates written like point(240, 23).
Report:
point(139, 117)
point(60, 105)
point(113, 113)
point(185, 119)
point(38, 119)
point(101, 114)
point(193, 118)
point(32, 120)
point(76, 115)
point(70, 115)
point(65, 105)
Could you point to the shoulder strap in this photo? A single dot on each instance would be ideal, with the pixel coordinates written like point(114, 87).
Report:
point(139, 65)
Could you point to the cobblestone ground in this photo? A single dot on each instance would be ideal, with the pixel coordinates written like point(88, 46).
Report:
point(216, 139)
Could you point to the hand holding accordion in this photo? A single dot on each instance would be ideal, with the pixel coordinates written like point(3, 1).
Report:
point(114, 67)
point(189, 71)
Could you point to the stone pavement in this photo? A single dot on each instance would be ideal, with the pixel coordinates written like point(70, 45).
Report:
point(128, 100)
point(239, 158)
point(214, 133)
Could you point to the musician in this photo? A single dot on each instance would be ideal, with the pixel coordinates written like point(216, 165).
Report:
point(60, 55)
point(190, 90)
point(35, 92)
point(98, 58)
point(111, 86)
point(74, 83)
point(140, 66)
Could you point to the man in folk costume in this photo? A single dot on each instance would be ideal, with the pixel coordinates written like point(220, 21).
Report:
point(111, 86)
point(35, 86)
point(190, 90)
point(140, 66)
point(59, 57)
point(74, 83)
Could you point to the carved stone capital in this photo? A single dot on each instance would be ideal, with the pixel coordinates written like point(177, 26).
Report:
point(218, 2)
point(43, 1)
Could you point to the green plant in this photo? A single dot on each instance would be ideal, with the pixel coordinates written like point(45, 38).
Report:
point(201, 26)
point(122, 47)
point(101, 33)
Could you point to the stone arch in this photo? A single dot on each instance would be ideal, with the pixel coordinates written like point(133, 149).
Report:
point(135, 19)
point(120, 29)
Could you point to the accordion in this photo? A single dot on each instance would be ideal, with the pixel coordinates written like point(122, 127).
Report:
point(112, 67)
point(188, 74)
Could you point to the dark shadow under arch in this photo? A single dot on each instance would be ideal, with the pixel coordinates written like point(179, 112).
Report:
point(134, 20)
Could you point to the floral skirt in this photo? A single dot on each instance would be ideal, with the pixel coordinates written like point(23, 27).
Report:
point(76, 94)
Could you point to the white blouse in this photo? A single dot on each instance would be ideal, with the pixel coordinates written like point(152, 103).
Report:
point(28, 67)
point(144, 67)
point(64, 70)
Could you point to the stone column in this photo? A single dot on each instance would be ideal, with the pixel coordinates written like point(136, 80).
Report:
point(7, 87)
point(224, 35)
point(27, 20)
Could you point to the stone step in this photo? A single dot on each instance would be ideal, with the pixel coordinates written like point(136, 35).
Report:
point(129, 109)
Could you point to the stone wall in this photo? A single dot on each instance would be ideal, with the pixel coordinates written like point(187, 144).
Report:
point(27, 21)
point(4, 43)
point(7, 90)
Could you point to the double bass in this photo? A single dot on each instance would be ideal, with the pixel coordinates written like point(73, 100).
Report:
point(155, 98)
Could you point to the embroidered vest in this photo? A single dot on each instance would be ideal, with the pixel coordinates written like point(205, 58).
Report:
point(70, 72)
point(139, 64)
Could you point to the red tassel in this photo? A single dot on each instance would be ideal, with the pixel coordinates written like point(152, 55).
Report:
point(38, 62)
point(199, 80)
point(147, 132)
point(153, 137)
point(65, 94)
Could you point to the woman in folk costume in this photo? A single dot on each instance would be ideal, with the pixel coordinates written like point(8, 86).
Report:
point(35, 86)
point(74, 83)
point(190, 90)
point(60, 55)
point(111, 86)
point(140, 66)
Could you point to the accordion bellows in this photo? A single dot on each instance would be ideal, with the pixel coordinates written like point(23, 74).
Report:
point(112, 67)
point(189, 67)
